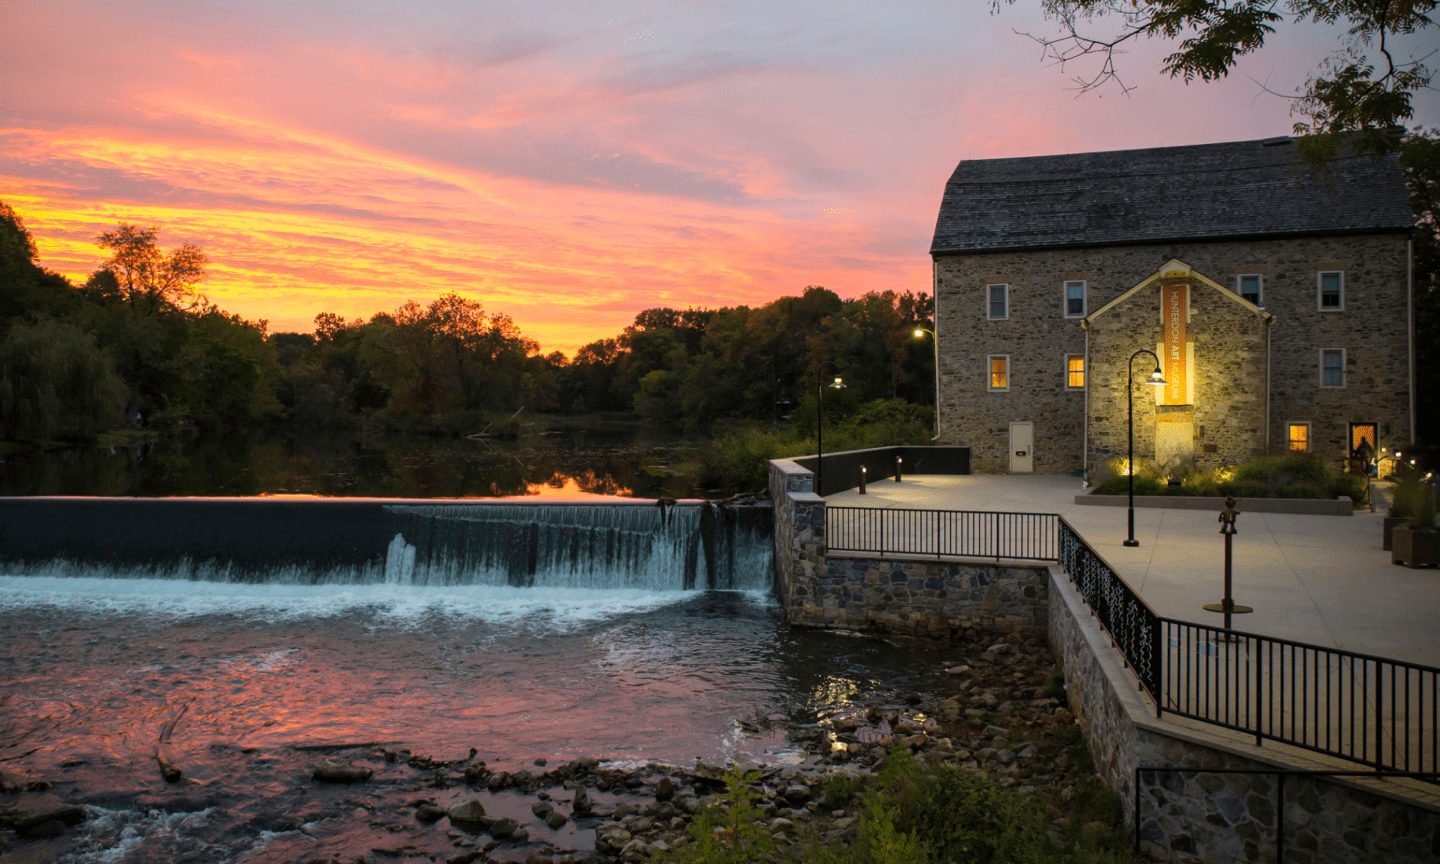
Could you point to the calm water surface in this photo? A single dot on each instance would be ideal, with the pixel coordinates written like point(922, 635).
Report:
point(576, 456)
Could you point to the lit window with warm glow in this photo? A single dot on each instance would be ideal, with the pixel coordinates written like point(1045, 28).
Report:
point(1300, 436)
point(999, 372)
point(1074, 371)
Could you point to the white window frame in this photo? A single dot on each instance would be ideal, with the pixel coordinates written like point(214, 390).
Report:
point(1341, 352)
point(1005, 287)
point(1259, 294)
point(1320, 290)
point(1083, 371)
point(990, 374)
point(1065, 297)
point(1309, 436)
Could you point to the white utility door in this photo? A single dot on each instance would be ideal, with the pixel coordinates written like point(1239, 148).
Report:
point(1022, 448)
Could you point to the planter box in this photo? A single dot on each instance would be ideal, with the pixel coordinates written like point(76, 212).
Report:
point(1300, 506)
point(1414, 548)
point(1391, 523)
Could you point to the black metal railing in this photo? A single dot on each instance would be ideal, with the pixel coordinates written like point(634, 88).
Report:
point(1131, 623)
point(957, 533)
point(1373, 710)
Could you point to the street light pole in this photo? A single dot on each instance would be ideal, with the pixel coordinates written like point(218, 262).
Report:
point(920, 334)
point(820, 421)
point(1158, 380)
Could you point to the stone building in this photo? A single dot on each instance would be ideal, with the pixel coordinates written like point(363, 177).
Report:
point(1276, 297)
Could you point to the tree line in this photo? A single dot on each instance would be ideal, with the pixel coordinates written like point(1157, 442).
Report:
point(139, 345)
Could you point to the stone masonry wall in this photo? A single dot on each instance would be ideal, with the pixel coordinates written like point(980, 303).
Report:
point(923, 598)
point(1217, 819)
point(1229, 411)
point(799, 535)
point(1037, 337)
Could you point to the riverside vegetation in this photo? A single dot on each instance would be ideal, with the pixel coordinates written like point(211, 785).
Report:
point(1291, 475)
point(138, 349)
point(982, 764)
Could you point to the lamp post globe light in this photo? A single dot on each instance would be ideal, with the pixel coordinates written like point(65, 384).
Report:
point(1158, 380)
point(920, 334)
point(820, 386)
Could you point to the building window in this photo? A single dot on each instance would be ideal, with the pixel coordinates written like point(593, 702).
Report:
point(1299, 436)
point(1332, 291)
point(1332, 367)
point(1248, 287)
point(1074, 371)
point(999, 301)
point(999, 372)
point(1075, 299)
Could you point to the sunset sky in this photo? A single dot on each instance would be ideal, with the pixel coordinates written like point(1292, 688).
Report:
point(568, 164)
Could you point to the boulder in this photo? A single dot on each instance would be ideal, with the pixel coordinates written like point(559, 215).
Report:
point(334, 772)
point(35, 810)
point(465, 811)
point(504, 829)
point(582, 805)
point(555, 819)
point(665, 789)
point(541, 809)
point(538, 857)
point(611, 837)
point(428, 813)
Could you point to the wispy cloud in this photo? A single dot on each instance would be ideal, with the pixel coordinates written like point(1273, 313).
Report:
point(566, 163)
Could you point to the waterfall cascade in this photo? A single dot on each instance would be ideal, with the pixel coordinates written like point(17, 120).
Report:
point(679, 547)
point(602, 545)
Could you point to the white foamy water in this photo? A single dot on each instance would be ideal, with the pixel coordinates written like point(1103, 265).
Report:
point(78, 588)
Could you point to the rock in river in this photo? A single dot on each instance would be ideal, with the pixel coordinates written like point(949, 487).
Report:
point(334, 772)
point(466, 811)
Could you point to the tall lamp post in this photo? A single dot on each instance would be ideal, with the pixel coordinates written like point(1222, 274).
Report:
point(1158, 380)
point(920, 334)
point(820, 386)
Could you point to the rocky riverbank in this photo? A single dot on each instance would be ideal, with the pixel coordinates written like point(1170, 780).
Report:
point(992, 706)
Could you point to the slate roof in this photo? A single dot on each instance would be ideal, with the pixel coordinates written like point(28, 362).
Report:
point(1240, 189)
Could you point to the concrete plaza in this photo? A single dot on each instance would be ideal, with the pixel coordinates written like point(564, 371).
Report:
point(1318, 579)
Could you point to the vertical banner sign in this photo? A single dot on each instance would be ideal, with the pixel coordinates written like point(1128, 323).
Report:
point(1174, 305)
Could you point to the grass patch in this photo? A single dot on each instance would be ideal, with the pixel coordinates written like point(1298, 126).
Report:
point(912, 813)
point(738, 460)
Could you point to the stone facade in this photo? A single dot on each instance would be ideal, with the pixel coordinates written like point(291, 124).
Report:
point(919, 597)
point(1254, 370)
point(1194, 817)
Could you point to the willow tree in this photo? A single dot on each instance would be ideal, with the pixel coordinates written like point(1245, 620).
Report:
point(55, 382)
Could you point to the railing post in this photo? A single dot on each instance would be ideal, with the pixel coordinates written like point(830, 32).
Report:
point(937, 533)
point(1260, 690)
point(1379, 716)
point(1158, 644)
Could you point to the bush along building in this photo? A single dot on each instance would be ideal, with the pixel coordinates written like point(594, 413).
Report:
point(1275, 294)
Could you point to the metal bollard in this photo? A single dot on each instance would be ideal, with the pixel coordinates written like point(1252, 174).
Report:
point(862, 479)
point(898, 460)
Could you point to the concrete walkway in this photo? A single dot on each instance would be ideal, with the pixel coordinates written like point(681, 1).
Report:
point(1318, 579)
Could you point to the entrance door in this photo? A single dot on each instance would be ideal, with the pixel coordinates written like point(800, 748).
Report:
point(1022, 447)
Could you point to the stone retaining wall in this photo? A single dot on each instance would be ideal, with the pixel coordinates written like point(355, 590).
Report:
point(1213, 818)
point(902, 594)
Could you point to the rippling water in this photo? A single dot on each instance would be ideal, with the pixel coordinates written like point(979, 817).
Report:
point(93, 670)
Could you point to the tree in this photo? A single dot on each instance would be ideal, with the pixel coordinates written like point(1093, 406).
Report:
point(55, 382)
point(1420, 155)
point(1362, 88)
point(147, 277)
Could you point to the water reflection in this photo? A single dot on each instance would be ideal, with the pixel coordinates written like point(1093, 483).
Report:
point(576, 461)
